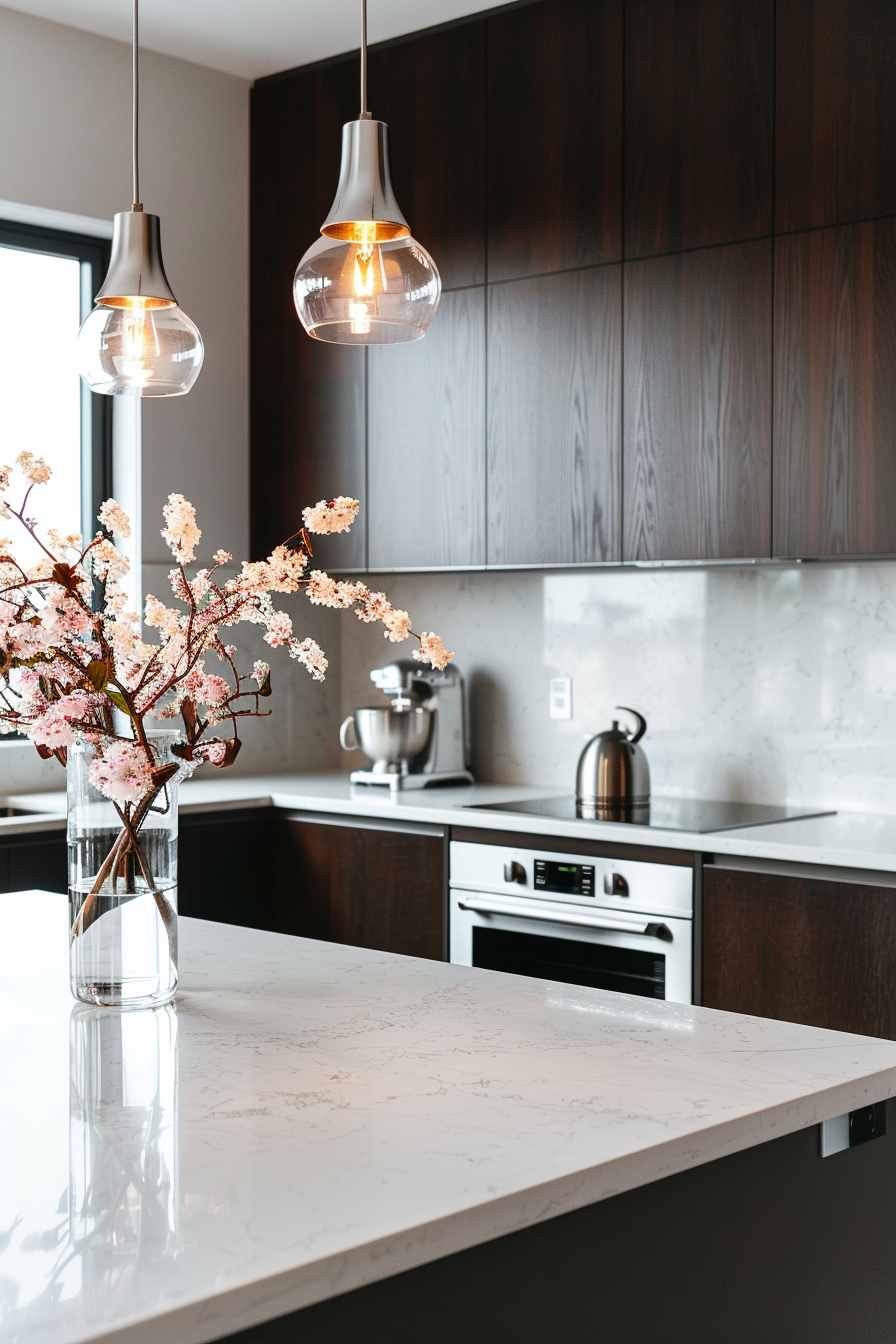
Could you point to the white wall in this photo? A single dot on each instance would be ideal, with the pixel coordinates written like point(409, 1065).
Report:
point(65, 145)
point(759, 683)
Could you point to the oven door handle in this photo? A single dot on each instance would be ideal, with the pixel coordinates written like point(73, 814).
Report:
point(648, 929)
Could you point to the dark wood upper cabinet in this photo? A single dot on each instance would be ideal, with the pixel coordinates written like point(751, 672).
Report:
point(430, 90)
point(835, 391)
point(697, 405)
point(426, 442)
point(800, 950)
point(835, 129)
point(295, 146)
point(554, 137)
point(699, 91)
point(307, 434)
point(554, 418)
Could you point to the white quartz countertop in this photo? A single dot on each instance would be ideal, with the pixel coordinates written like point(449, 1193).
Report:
point(310, 1118)
point(856, 840)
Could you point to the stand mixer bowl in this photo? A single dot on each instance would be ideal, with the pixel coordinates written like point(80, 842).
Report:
point(390, 737)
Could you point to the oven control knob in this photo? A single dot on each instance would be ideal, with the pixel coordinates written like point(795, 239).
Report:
point(615, 885)
point(515, 872)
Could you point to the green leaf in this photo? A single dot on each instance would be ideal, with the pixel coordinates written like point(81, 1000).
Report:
point(118, 700)
point(97, 674)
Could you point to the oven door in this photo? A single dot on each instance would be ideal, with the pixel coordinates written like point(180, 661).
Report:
point(648, 955)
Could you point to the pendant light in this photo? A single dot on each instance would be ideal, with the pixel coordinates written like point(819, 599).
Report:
point(137, 342)
point(366, 281)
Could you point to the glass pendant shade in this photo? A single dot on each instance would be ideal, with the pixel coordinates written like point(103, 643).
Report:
point(137, 342)
point(366, 281)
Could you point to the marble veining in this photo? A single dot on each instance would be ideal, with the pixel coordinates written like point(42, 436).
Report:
point(770, 683)
point(308, 1118)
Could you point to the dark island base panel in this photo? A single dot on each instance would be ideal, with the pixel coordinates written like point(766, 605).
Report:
point(775, 1245)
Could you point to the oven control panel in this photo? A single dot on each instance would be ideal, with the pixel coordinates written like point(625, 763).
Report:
point(570, 879)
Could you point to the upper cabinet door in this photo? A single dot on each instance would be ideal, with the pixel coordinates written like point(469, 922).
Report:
point(554, 137)
point(431, 93)
point(699, 89)
point(697, 405)
point(426, 442)
point(295, 144)
point(307, 432)
point(835, 391)
point(835, 123)
point(554, 346)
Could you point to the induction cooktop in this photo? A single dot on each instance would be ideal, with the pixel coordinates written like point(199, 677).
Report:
point(666, 814)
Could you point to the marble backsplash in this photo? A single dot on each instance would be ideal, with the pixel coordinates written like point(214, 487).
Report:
point(759, 683)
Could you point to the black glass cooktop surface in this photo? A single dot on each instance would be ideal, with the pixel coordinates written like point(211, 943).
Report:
point(666, 814)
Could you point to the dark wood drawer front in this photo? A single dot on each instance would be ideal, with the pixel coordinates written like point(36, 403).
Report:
point(800, 950)
point(365, 886)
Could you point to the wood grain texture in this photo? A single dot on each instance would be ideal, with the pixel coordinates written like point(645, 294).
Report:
point(430, 90)
point(800, 950)
point(699, 91)
point(835, 391)
point(295, 145)
point(554, 137)
point(697, 405)
point(368, 888)
point(554, 347)
point(307, 439)
point(835, 130)
point(227, 868)
point(426, 442)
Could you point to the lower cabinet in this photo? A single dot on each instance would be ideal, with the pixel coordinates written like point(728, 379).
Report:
point(365, 883)
point(226, 866)
point(37, 861)
point(800, 949)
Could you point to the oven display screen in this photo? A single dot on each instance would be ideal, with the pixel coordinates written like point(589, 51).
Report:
point(577, 879)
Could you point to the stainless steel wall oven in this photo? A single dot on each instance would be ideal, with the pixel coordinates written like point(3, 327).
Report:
point(609, 923)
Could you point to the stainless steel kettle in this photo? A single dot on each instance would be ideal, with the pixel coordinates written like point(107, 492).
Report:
point(613, 775)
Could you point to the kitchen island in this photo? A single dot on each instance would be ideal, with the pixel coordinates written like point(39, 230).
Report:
point(402, 1149)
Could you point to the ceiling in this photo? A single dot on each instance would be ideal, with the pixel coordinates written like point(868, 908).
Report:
point(250, 39)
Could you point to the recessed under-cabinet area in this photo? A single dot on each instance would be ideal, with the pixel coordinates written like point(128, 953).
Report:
point(669, 309)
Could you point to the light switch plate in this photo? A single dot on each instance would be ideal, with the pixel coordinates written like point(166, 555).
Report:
point(560, 698)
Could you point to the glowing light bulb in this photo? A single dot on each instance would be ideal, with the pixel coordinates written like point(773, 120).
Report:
point(359, 291)
point(139, 347)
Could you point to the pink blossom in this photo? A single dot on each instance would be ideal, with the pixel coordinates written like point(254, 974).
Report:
point(311, 655)
point(433, 651)
point(121, 772)
point(335, 515)
point(374, 607)
point(398, 625)
point(222, 557)
point(33, 468)
point(259, 671)
point(181, 532)
point(279, 629)
point(285, 569)
point(214, 751)
point(114, 519)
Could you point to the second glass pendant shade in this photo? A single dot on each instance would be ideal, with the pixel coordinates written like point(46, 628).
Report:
point(366, 281)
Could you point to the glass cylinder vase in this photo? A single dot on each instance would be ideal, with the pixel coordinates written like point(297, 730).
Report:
point(122, 857)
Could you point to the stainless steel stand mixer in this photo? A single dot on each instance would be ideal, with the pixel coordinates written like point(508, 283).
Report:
point(420, 737)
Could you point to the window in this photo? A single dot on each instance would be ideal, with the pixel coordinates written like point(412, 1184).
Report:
point(47, 282)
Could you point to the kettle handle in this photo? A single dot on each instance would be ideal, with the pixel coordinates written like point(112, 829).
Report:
point(642, 724)
point(348, 727)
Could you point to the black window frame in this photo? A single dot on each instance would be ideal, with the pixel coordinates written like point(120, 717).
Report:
point(96, 410)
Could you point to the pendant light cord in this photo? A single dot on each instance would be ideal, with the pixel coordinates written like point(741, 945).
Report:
point(136, 94)
point(365, 115)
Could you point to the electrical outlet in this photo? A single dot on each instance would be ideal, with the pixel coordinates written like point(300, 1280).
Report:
point(560, 698)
